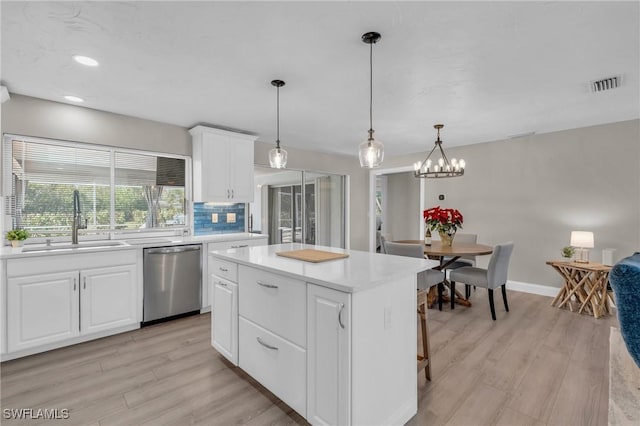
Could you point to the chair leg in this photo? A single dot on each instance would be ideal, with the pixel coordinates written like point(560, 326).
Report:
point(453, 294)
point(504, 297)
point(440, 290)
point(467, 291)
point(493, 309)
point(422, 313)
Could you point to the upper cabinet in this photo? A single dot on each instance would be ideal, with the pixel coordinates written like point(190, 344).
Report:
point(222, 165)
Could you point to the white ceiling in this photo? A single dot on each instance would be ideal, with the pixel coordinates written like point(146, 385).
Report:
point(486, 70)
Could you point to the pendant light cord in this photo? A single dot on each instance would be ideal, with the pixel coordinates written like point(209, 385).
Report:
point(371, 87)
point(278, 118)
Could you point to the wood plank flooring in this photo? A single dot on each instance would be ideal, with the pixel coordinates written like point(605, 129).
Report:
point(535, 365)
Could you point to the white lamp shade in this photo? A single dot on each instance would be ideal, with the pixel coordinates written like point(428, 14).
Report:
point(582, 239)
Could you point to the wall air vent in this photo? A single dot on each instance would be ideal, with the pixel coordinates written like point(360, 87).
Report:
point(606, 84)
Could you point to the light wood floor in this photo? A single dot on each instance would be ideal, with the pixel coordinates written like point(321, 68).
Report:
point(535, 365)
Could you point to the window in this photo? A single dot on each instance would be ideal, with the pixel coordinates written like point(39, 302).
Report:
point(119, 189)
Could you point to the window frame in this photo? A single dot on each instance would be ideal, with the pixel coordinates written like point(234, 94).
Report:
point(6, 157)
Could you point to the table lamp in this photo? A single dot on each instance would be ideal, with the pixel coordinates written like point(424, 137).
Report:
point(582, 240)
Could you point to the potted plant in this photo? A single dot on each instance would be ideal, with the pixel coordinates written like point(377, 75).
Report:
point(445, 221)
point(17, 237)
point(568, 252)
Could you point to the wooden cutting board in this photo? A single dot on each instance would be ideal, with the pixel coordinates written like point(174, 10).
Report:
point(310, 255)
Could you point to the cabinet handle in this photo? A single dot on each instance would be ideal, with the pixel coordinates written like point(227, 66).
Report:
point(228, 193)
point(233, 193)
point(240, 246)
point(266, 285)
point(340, 315)
point(222, 284)
point(85, 283)
point(273, 348)
point(74, 284)
point(223, 269)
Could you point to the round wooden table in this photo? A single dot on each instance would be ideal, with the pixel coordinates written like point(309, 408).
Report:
point(437, 251)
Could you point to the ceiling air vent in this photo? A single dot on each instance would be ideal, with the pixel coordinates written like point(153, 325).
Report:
point(606, 84)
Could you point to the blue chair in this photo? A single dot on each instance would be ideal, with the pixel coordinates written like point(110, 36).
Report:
point(625, 282)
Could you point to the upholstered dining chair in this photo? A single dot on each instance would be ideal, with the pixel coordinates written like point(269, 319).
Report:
point(491, 278)
point(465, 260)
point(426, 280)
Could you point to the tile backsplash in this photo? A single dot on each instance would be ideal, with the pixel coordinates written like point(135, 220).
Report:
point(218, 218)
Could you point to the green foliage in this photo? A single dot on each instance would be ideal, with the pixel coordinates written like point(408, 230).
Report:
point(568, 251)
point(17, 234)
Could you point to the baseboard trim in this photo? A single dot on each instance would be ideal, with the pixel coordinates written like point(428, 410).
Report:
point(539, 289)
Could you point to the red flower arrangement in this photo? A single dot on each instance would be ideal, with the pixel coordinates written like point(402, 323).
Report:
point(443, 220)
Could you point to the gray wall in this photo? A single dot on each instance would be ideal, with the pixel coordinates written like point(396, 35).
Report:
point(535, 190)
point(23, 115)
point(403, 201)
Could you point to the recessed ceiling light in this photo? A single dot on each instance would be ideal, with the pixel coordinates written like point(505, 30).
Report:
point(85, 60)
point(73, 98)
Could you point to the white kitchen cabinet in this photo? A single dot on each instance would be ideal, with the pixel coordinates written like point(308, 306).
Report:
point(222, 165)
point(42, 309)
point(328, 346)
point(56, 300)
point(224, 325)
point(108, 298)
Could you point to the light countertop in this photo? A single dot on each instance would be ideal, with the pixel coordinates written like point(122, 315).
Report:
point(128, 243)
point(360, 271)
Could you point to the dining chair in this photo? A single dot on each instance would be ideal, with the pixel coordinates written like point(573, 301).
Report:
point(426, 280)
point(464, 260)
point(491, 278)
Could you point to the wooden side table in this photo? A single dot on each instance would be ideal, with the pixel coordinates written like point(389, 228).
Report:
point(587, 282)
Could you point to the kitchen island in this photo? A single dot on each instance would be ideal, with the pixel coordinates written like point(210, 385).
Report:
point(335, 340)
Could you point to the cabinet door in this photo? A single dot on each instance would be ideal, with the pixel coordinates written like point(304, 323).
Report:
point(108, 298)
point(224, 318)
point(329, 355)
point(241, 171)
point(42, 309)
point(215, 169)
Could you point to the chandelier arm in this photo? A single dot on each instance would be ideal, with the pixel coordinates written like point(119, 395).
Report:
point(428, 156)
point(444, 156)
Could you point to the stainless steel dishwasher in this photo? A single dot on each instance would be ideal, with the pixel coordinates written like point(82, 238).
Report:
point(172, 282)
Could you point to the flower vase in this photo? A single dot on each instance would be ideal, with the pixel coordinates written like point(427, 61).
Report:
point(446, 239)
point(17, 243)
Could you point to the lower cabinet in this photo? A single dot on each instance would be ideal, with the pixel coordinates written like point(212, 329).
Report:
point(47, 304)
point(42, 309)
point(329, 356)
point(224, 325)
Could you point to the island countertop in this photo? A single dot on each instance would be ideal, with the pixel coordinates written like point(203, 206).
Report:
point(358, 272)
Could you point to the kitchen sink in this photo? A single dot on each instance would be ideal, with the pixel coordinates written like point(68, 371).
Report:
point(67, 246)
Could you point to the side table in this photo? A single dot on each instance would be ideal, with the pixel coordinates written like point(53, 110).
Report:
point(587, 282)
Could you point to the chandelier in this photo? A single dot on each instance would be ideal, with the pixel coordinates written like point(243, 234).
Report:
point(443, 167)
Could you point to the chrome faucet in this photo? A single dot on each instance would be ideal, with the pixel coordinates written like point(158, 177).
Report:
point(78, 223)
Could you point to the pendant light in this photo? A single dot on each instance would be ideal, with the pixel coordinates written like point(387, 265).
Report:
point(443, 167)
point(278, 156)
point(371, 151)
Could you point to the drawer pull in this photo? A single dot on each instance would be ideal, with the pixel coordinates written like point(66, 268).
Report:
point(273, 348)
point(240, 246)
point(223, 269)
point(266, 285)
point(340, 315)
point(222, 284)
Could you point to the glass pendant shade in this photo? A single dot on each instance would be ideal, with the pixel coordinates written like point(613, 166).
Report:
point(278, 158)
point(371, 153)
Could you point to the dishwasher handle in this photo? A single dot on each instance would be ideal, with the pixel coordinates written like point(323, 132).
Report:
point(172, 250)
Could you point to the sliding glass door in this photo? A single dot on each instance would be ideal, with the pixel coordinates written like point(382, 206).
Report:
point(299, 206)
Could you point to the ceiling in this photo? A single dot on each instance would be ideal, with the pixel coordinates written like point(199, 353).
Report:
point(487, 70)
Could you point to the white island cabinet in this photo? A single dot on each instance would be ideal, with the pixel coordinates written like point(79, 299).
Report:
point(335, 340)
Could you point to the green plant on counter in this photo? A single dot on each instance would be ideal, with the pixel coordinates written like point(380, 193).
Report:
point(17, 235)
point(568, 251)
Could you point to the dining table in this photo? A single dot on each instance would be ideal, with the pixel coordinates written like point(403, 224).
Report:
point(446, 255)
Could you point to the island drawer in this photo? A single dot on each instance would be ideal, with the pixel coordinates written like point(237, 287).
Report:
point(275, 302)
point(223, 269)
point(277, 364)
